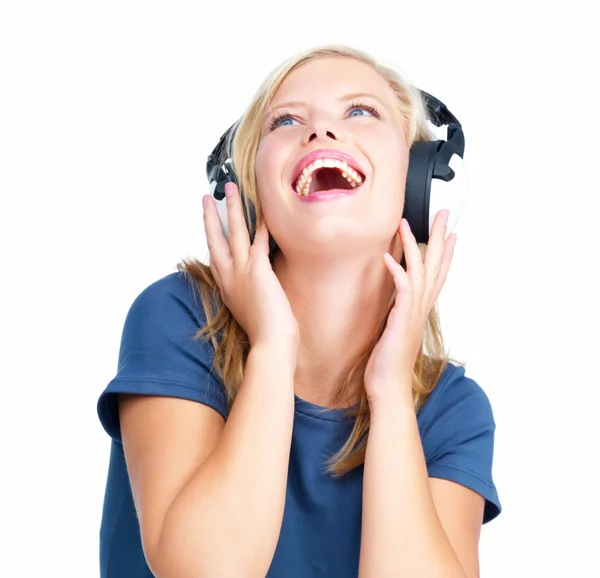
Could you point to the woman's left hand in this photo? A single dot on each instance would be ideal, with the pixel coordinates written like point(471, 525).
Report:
point(389, 371)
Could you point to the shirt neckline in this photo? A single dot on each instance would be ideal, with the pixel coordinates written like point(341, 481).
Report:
point(317, 411)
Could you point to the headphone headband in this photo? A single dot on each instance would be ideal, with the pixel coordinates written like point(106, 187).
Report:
point(438, 111)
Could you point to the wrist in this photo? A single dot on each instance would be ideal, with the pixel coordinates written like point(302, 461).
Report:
point(393, 400)
point(280, 353)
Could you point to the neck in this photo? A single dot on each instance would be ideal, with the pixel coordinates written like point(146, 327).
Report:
point(339, 305)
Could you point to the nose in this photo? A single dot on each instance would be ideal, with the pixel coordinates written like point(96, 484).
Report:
point(325, 134)
point(321, 129)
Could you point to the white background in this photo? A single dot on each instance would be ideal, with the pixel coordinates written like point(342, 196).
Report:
point(107, 113)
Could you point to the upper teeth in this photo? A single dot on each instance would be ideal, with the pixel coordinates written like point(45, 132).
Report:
point(303, 183)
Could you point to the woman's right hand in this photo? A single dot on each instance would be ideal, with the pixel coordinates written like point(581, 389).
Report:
point(249, 287)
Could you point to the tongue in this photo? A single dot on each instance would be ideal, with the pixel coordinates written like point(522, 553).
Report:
point(326, 179)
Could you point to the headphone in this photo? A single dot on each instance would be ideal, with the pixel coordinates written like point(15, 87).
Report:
point(436, 177)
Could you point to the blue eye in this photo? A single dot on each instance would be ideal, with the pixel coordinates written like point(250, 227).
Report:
point(358, 110)
point(284, 118)
point(363, 108)
point(280, 119)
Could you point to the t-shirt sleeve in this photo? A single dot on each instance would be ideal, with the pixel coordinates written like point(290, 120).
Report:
point(458, 436)
point(159, 354)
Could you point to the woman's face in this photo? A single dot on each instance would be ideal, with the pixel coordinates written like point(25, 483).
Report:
point(330, 111)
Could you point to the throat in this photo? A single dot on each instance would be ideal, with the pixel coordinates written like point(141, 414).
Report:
point(323, 368)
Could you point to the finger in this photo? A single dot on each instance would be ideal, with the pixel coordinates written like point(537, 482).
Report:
point(414, 260)
point(239, 239)
point(261, 239)
point(446, 261)
point(404, 289)
point(216, 276)
point(220, 255)
point(435, 251)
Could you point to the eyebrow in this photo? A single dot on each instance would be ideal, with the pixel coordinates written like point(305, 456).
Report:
point(346, 97)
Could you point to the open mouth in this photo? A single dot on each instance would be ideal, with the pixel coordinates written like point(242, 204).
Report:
point(327, 174)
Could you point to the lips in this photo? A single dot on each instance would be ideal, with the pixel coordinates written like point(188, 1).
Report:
point(324, 154)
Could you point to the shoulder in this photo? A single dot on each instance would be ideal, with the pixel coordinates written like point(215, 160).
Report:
point(457, 430)
point(171, 303)
point(175, 289)
point(160, 353)
point(456, 399)
point(161, 327)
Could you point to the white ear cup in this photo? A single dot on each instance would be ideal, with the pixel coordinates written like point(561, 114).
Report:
point(450, 195)
point(221, 209)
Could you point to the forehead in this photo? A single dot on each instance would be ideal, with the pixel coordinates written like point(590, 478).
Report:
point(330, 77)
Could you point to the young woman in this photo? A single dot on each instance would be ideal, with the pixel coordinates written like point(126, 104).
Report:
point(290, 411)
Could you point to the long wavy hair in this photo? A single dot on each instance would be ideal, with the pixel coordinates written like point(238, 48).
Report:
point(230, 343)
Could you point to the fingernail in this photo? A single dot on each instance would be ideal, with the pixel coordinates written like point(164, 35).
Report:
point(406, 224)
point(204, 201)
point(228, 189)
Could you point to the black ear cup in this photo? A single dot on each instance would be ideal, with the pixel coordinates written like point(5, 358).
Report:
point(416, 197)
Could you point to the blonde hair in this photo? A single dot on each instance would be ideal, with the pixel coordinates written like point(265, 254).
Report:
point(227, 337)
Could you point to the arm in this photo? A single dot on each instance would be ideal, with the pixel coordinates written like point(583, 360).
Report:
point(413, 526)
point(209, 495)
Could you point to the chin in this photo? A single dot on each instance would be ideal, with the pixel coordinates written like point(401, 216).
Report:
point(336, 226)
point(327, 238)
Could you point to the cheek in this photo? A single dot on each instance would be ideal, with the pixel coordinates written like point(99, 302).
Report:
point(390, 185)
point(391, 177)
point(270, 160)
point(389, 151)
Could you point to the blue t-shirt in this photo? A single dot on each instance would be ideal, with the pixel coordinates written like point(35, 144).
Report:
point(320, 533)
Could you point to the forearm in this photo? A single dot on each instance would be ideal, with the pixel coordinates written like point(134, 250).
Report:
point(401, 532)
point(227, 519)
